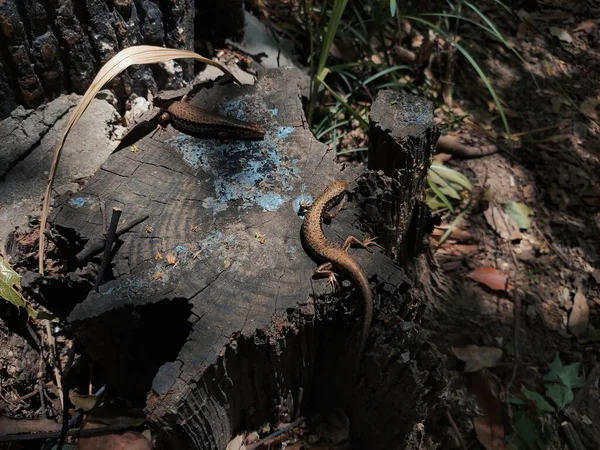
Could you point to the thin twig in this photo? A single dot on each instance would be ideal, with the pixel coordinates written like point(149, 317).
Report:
point(276, 433)
point(516, 307)
point(456, 430)
point(557, 251)
point(93, 250)
point(110, 240)
point(55, 434)
point(53, 360)
point(65, 416)
point(40, 390)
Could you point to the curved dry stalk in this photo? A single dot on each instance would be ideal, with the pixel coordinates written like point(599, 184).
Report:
point(137, 54)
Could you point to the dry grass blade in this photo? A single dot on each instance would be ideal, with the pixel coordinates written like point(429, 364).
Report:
point(139, 54)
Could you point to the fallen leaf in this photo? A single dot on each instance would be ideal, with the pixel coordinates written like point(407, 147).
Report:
point(489, 435)
point(457, 234)
point(463, 249)
point(588, 26)
point(451, 264)
point(520, 213)
point(236, 443)
point(492, 278)
point(83, 401)
point(477, 358)
point(561, 34)
point(502, 224)
point(588, 108)
point(488, 427)
point(171, 259)
point(128, 440)
point(580, 314)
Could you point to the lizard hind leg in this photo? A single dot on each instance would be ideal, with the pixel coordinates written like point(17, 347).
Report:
point(368, 242)
point(324, 271)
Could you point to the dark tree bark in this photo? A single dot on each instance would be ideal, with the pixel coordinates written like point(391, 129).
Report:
point(213, 314)
point(49, 47)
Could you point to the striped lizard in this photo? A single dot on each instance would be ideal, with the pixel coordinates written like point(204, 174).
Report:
point(197, 121)
point(335, 257)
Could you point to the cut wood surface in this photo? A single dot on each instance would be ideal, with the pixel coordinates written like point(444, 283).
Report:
point(212, 312)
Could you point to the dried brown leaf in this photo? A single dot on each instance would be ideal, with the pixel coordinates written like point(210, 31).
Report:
point(588, 108)
point(561, 34)
point(580, 314)
point(237, 443)
point(492, 278)
point(587, 25)
point(477, 358)
point(489, 435)
point(463, 249)
point(503, 224)
point(489, 428)
point(128, 440)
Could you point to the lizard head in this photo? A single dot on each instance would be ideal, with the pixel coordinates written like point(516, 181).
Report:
point(337, 188)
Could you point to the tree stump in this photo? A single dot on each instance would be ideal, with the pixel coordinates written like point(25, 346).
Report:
point(212, 312)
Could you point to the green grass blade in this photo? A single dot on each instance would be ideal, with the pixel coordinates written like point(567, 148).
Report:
point(354, 150)
point(383, 73)
point(441, 195)
point(451, 228)
point(442, 185)
point(334, 22)
point(497, 33)
point(393, 7)
point(473, 63)
point(352, 65)
point(507, 8)
point(492, 31)
point(342, 101)
point(335, 126)
point(451, 175)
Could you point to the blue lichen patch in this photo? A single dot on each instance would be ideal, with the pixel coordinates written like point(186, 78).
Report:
point(284, 132)
point(274, 112)
point(235, 108)
point(244, 173)
point(80, 202)
point(131, 287)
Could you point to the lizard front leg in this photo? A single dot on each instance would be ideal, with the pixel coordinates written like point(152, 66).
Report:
point(324, 271)
point(329, 215)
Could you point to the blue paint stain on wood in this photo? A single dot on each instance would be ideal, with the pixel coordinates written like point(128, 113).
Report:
point(252, 172)
point(284, 132)
point(80, 202)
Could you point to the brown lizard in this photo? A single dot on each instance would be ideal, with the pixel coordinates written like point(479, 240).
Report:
point(200, 122)
point(337, 257)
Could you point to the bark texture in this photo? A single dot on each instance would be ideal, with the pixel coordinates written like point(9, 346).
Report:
point(49, 47)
